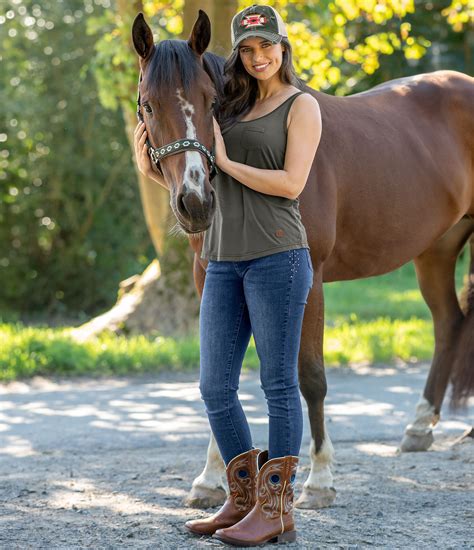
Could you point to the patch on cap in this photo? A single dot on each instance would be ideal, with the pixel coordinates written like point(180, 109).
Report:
point(255, 20)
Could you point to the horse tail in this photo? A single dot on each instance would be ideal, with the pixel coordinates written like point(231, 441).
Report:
point(462, 376)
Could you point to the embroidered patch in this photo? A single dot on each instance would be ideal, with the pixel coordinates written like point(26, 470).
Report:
point(256, 20)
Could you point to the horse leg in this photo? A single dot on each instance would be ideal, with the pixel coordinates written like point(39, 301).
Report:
point(435, 270)
point(318, 490)
point(208, 488)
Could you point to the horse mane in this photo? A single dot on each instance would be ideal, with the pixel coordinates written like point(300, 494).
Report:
point(214, 66)
point(170, 59)
point(174, 57)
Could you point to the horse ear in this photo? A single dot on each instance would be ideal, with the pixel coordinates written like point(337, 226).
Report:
point(142, 37)
point(201, 34)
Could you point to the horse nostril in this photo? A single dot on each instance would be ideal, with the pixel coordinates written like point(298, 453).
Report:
point(180, 203)
point(213, 199)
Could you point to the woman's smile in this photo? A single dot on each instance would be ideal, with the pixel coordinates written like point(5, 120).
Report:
point(260, 68)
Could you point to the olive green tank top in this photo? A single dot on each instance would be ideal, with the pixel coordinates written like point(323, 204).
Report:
point(248, 224)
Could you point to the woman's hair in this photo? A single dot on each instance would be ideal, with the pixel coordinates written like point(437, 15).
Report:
point(240, 88)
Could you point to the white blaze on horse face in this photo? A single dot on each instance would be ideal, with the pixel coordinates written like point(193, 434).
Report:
point(194, 172)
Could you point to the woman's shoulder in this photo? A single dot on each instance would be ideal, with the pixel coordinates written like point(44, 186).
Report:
point(305, 98)
point(305, 105)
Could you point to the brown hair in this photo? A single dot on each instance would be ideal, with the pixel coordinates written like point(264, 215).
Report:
point(240, 88)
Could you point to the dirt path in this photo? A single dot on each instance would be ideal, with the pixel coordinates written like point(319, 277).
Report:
point(105, 464)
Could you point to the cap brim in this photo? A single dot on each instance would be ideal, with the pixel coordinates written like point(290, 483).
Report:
point(263, 34)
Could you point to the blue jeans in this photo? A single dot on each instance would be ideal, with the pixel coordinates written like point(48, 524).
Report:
point(265, 296)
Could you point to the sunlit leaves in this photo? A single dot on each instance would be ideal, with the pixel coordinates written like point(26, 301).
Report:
point(115, 63)
point(459, 14)
point(68, 196)
point(338, 43)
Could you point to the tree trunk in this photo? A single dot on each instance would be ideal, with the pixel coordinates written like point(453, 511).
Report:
point(220, 12)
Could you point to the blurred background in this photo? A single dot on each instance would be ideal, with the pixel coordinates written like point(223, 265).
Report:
point(87, 243)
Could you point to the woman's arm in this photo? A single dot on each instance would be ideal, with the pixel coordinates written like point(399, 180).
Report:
point(143, 159)
point(304, 134)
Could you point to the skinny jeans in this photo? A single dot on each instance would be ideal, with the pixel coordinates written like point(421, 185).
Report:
point(265, 297)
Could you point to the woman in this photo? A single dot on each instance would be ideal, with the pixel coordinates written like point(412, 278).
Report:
point(258, 276)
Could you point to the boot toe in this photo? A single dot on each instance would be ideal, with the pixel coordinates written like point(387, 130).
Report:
point(198, 528)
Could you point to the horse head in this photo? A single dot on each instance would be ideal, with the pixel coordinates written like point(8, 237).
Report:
point(178, 96)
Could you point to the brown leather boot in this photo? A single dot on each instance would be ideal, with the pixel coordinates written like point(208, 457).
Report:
point(241, 477)
point(271, 519)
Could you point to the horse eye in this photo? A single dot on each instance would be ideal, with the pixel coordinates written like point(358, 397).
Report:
point(147, 108)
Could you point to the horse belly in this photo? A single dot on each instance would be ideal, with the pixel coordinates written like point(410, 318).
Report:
point(375, 239)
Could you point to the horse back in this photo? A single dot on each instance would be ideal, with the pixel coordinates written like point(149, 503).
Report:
point(389, 158)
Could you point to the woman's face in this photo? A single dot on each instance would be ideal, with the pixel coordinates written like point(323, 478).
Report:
point(260, 57)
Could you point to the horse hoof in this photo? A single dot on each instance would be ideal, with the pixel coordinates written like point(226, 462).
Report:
point(203, 497)
point(313, 499)
point(415, 443)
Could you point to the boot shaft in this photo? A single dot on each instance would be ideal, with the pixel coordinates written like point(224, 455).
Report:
point(275, 484)
point(242, 479)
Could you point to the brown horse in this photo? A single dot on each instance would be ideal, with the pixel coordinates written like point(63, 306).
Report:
point(392, 181)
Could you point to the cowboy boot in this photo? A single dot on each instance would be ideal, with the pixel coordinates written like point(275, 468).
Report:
point(271, 519)
point(241, 477)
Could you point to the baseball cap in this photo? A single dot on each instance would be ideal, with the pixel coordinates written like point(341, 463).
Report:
point(256, 20)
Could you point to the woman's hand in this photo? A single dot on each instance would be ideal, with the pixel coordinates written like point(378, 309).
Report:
point(142, 156)
point(221, 154)
point(141, 152)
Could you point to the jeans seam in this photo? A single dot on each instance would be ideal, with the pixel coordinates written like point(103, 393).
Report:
point(284, 354)
point(229, 367)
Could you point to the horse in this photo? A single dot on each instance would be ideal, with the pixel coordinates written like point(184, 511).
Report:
point(392, 181)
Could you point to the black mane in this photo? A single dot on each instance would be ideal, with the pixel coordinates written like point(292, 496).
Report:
point(214, 67)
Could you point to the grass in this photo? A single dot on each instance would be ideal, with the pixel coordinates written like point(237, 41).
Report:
point(375, 320)
point(395, 295)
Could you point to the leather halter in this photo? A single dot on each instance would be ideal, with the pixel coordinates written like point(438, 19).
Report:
point(178, 146)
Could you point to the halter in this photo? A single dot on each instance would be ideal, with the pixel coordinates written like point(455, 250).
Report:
point(178, 146)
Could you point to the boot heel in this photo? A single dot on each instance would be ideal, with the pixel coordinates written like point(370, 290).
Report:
point(287, 536)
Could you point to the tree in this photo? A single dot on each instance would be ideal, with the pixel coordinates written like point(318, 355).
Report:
point(70, 220)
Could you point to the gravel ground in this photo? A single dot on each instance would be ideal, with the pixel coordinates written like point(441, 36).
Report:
point(106, 464)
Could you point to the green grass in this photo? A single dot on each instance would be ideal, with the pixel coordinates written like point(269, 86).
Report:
point(374, 320)
point(28, 351)
point(395, 295)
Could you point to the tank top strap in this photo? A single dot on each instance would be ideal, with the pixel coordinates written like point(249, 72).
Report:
point(288, 103)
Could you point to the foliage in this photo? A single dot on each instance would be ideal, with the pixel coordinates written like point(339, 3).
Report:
point(113, 48)
point(28, 351)
point(345, 46)
point(71, 225)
